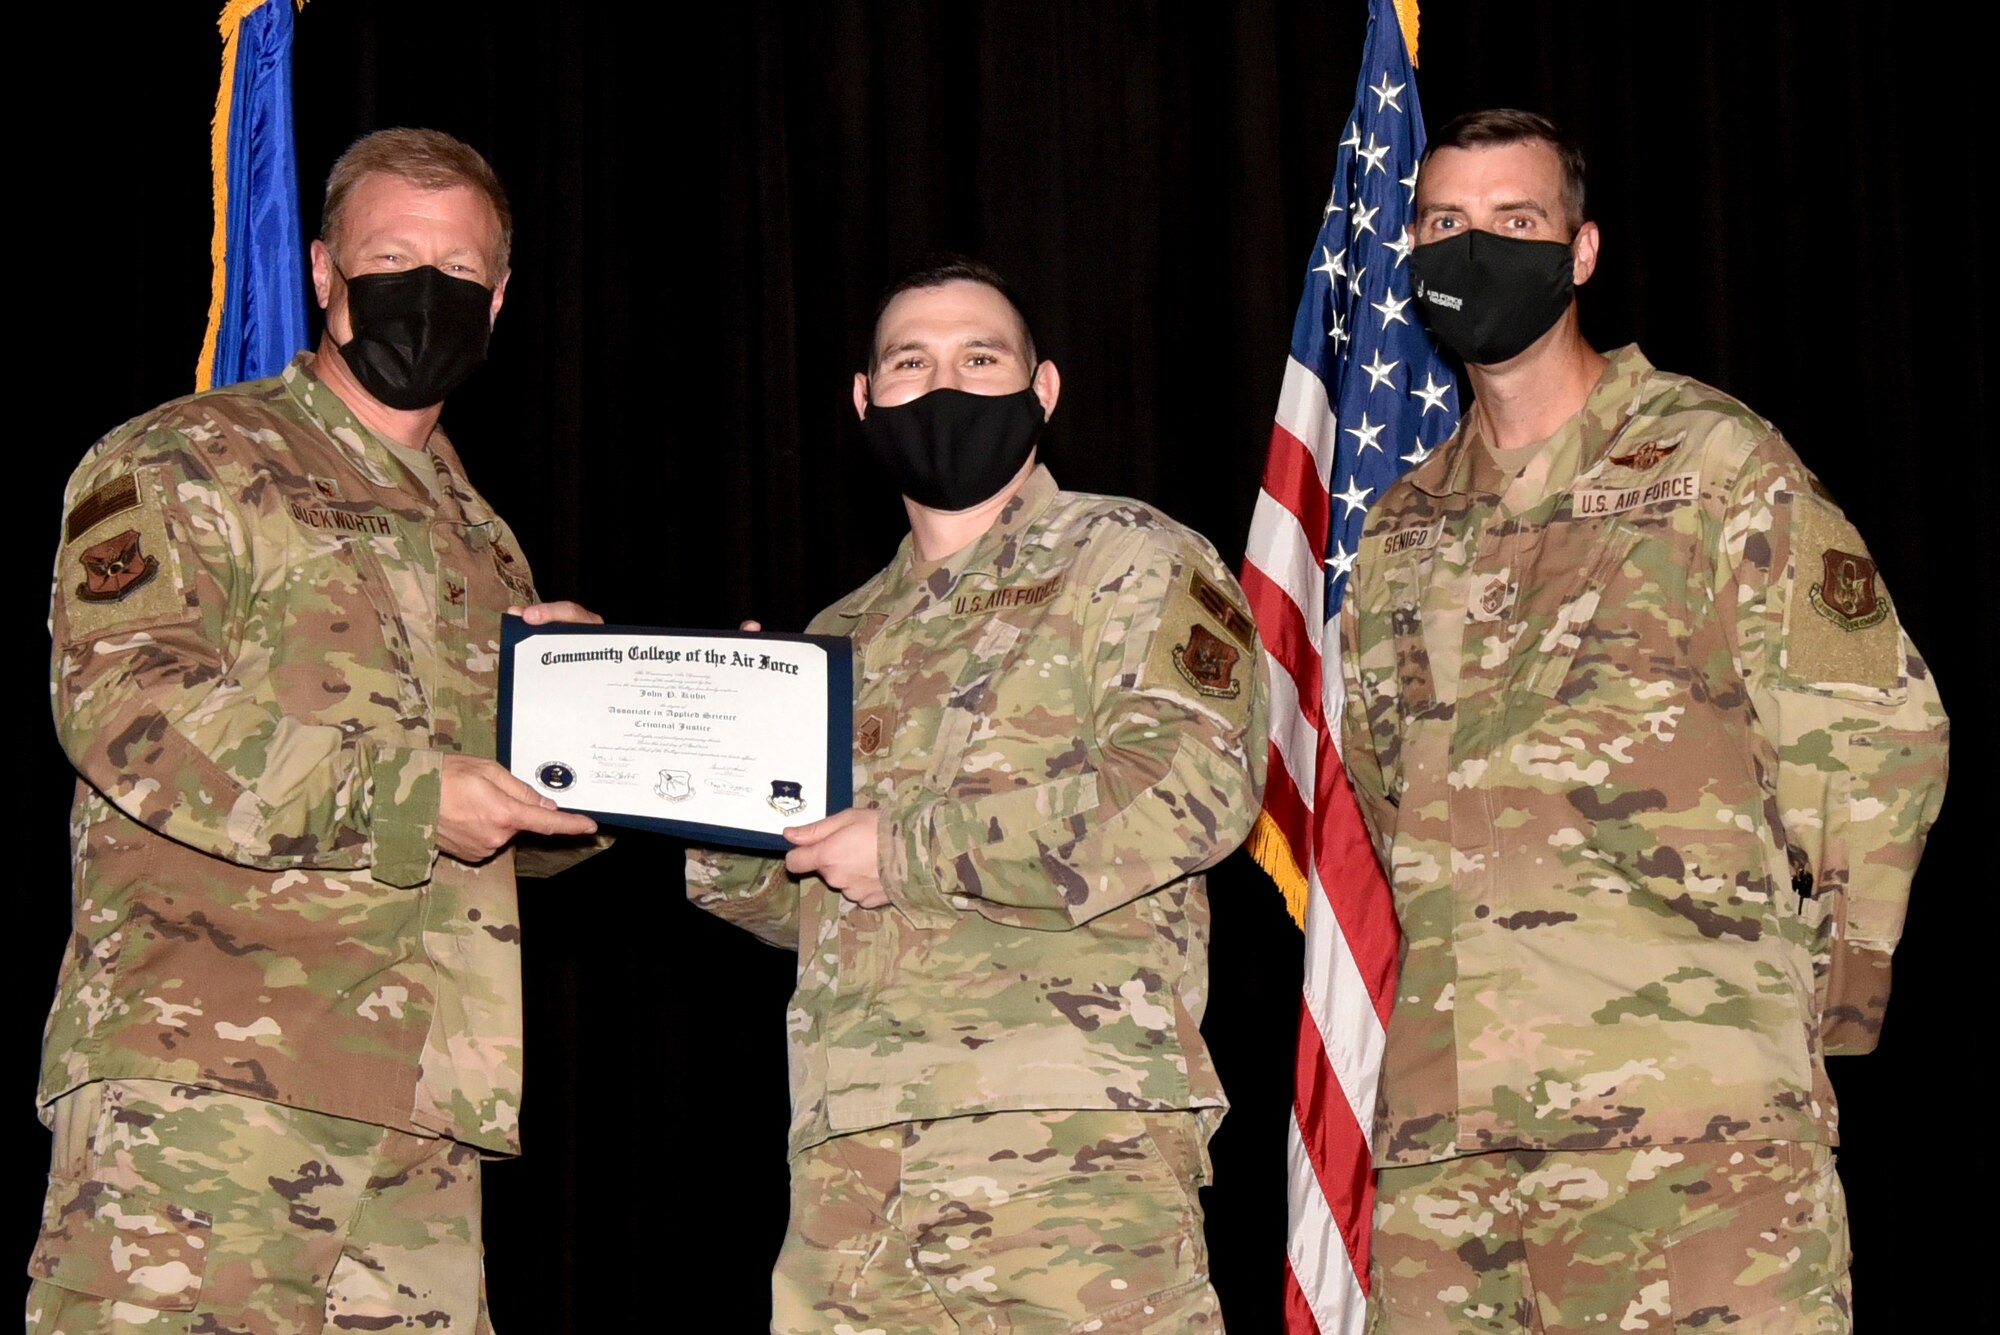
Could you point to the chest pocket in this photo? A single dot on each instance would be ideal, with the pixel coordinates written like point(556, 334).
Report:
point(1572, 579)
point(968, 714)
point(341, 578)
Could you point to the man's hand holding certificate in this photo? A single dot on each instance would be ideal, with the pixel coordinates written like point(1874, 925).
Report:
point(715, 736)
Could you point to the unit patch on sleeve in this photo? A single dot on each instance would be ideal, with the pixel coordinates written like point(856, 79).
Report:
point(1846, 594)
point(116, 567)
point(1837, 624)
point(1205, 644)
point(119, 570)
point(1207, 663)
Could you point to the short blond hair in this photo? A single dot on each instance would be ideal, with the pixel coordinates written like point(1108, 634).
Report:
point(427, 159)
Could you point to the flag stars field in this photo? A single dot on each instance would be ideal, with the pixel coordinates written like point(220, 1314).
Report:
point(1344, 369)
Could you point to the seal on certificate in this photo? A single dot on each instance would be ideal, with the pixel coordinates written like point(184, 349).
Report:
point(674, 785)
point(555, 776)
point(785, 797)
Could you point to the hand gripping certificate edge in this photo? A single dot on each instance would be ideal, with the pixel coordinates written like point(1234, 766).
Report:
point(839, 774)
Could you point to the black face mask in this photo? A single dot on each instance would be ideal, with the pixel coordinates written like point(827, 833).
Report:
point(418, 334)
point(950, 450)
point(1489, 296)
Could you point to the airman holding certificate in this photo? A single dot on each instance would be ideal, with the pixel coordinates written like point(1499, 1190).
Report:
point(1059, 713)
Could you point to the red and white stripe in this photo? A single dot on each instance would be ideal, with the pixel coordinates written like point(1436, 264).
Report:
point(1350, 925)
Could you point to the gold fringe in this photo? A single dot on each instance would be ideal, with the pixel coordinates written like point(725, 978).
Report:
point(1267, 845)
point(1406, 14)
point(230, 22)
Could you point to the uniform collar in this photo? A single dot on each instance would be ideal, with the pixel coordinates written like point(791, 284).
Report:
point(1576, 447)
point(909, 585)
point(436, 470)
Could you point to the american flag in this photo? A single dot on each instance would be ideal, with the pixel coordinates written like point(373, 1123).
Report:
point(1365, 396)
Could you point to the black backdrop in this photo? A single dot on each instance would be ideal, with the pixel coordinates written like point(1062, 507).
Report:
point(1792, 206)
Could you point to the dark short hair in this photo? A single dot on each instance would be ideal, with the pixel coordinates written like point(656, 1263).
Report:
point(427, 159)
point(935, 270)
point(1507, 125)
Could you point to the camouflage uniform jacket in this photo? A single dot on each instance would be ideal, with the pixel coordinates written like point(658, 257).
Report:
point(268, 632)
point(1061, 726)
point(1650, 763)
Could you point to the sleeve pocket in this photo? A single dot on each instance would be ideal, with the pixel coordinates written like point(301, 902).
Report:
point(121, 1245)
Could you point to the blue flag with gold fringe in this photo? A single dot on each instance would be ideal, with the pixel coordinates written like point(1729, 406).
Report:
point(257, 308)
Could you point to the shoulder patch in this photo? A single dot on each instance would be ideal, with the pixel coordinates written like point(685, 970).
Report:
point(118, 569)
point(1839, 629)
point(1208, 664)
point(1846, 594)
point(1204, 647)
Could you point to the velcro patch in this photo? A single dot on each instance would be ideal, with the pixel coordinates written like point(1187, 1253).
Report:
point(1420, 538)
point(1846, 593)
point(1227, 614)
point(119, 570)
point(114, 497)
point(115, 568)
point(995, 600)
point(1838, 626)
point(364, 519)
point(1617, 500)
point(1200, 654)
point(1208, 664)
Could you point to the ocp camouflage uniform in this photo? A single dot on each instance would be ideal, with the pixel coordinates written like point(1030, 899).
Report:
point(1061, 726)
point(270, 627)
point(1650, 763)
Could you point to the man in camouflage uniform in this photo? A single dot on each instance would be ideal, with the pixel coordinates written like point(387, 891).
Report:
point(288, 1023)
point(1001, 1099)
point(1649, 762)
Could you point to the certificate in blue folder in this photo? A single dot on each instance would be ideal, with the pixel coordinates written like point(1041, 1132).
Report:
point(717, 737)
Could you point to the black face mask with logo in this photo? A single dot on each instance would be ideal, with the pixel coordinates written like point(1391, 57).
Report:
point(950, 450)
point(1487, 297)
point(418, 333)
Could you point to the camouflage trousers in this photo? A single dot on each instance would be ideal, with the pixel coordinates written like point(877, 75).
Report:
point(1017, 1221)
point(1748, 1237)
point(174, 1209)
